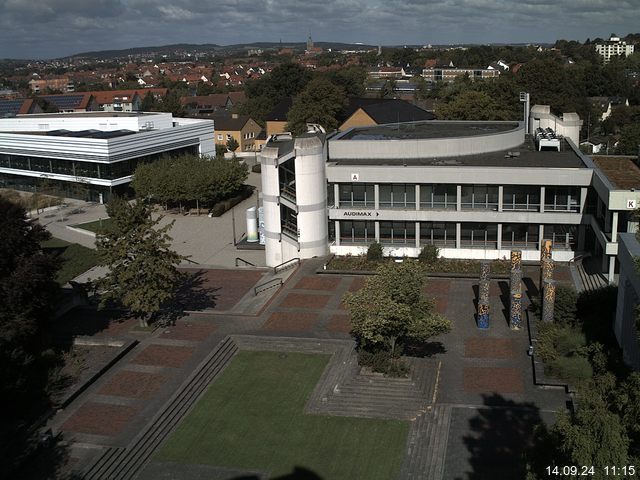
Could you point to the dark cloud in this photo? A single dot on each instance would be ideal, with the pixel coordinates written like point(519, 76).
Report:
point(53, 28)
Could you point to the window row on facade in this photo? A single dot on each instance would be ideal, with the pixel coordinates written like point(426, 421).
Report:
point(445, 197)
point(472, 235)
point(76, 168)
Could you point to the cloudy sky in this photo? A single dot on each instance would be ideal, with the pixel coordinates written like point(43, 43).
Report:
point(55, 28)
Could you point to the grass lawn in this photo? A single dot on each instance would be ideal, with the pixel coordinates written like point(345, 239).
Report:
point(76, 259)
point(252, 418)
point(95, 226)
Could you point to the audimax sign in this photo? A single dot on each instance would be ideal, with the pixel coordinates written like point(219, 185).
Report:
point(360, 213)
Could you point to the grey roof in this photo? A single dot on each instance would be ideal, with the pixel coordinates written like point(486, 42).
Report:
point(527, 156)
point(426, 130)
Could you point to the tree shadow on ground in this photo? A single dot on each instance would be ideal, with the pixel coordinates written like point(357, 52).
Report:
point(50, 459)
point(501, 434)
point(298, 473)
point(505, 298)
point(194, 294)
point(423, 349)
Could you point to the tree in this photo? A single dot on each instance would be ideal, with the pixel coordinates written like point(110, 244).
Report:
point(320, 102)
point(232, 144)
point(629, 140)
point(390, 308)
point(472, 105)
point(143, 275)
point(388, 89)
point(28, 294)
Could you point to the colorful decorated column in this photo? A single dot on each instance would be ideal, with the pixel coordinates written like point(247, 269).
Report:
point(546, 271)
point(483, 315)
point(516, 259)
point(483, 294)
point(548, 300)
point(515, 313)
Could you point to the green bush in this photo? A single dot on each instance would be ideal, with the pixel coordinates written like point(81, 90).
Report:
point(429, 254)
point(574, 368)
point(218, 209)
point(381, 361)
point(566, 305)
point(375, 252)
point(569, 341)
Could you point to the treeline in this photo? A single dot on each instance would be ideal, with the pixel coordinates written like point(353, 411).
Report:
point(189, 179)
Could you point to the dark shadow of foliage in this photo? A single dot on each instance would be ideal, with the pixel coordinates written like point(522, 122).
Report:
point(193, 294)
point(424, 349)
point(47, 459)
point(531, 289)
point(502, 434)
point(505, 298)
point(298, 473)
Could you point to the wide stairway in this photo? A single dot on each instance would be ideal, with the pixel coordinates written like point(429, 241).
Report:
point(589, 274)
point(118, 463)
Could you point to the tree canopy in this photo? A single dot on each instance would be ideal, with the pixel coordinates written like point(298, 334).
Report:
point(142, 269)
point(320, 102)
point(28, 294)
point(391, 307)
point(189, 178)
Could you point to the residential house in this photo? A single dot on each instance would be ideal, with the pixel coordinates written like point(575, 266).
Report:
point(277, 118)
point(20, 106)
point(450, 73)
point(614, 47)
point(61, 83)
point(72, 102)
point(365, 112)
point(240, 127)
point(118, 100)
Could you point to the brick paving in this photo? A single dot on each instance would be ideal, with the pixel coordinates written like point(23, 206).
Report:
point(185, 330)
point(226, 287)
point(164, 355)
point(498, 380)
point(318, 283)
point(133, 384)
point(339, 323)
point(300, 300)
point(489, 348)
point(100, 419)
point(291, 321)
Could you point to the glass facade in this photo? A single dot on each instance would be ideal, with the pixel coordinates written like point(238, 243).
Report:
point(479, 235)
point(563, 237)
point(479, 197)
point(397, 195)
point(440, 234)
point(520, 235)
point(521, 197)
point(438, 196)
point(357, 195)
point(398, 233)
point(357, 232)
point(562, 199)
point(77, 168)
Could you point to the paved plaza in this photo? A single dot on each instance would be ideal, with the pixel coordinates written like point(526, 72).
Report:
point(471, 409)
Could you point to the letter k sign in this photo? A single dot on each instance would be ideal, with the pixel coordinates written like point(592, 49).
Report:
point(631, 204)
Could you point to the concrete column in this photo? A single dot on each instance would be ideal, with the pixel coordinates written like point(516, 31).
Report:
point(458, 234)
point(540, 236)
point(500, 197)
point(417, 198)
point(458, 198)
point(483, 316)
point(417, 234)
point(378, 232)
point(614, 227)
point(605, 262)
point(583, 199)
point(336, 195)
point(515, 311)
point(499, 236)
point(542, 193)
point(612, 268)
point(337, 229)
point(376, 196)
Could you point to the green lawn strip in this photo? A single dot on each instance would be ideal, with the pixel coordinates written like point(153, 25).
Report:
point(95, 226)
point(252, 418)
point(76, 259)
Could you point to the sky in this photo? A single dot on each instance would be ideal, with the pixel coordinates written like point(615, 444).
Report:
point(55, 28)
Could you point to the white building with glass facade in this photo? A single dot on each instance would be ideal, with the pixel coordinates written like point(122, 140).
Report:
point(91, 155)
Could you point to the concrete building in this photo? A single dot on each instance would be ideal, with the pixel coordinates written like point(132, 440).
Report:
point(449, 74)
point(474, 189)
point(614, 47)
point(91, 155)
point(627, 326)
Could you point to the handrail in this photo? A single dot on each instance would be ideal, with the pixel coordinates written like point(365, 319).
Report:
point(244, 261)
point(285, 265)
point(274, 282)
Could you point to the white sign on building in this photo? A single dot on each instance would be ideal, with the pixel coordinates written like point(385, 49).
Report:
point(355, 177)
point(631, 204)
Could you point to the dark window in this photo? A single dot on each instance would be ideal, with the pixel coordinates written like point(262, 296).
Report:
point(397, 196)
point(562, 199)
point(479, 235)
point(358, 232)
point(480, 197)
point(441, 234)
point(520, 197)
point(398, 233)
point(562, 236)
point(356, 195)
point(438, 196)
point(520, 235)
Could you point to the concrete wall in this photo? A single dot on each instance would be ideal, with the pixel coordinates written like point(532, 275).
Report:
point(628, 299)
point(568, 125)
